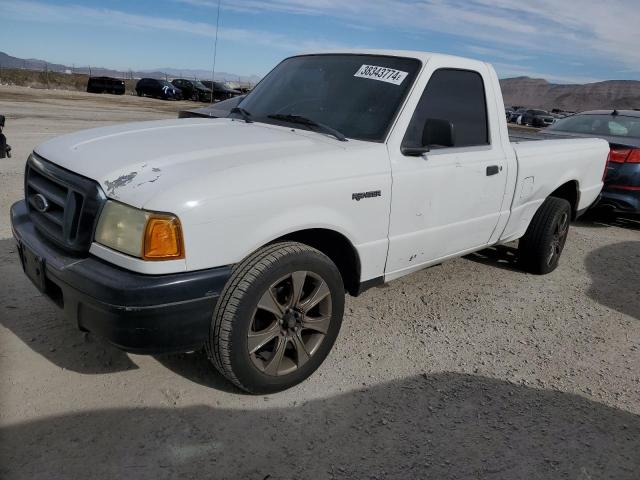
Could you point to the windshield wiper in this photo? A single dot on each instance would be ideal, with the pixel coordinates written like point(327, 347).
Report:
point(246, 115)
point(309, 123)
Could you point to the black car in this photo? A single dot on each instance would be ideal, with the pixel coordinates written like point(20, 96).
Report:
point(192, 90)
point(537, 118)
point(221, 91)
point(157, 88)
point(5, 149)
point(515, 114)
point(621, 128)
point(508, 111)
point(105, 85)
point(218, 110)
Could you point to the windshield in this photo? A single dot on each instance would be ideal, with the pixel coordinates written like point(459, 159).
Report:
point(607, 125)
point(357, 95)
point(164, 83)
point(199, 85)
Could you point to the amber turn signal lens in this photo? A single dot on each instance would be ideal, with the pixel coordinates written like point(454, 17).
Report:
point(163, 239)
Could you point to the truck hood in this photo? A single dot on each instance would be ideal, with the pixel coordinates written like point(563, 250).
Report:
point(135, 162)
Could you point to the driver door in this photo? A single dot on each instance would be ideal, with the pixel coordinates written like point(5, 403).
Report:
point(448, 200)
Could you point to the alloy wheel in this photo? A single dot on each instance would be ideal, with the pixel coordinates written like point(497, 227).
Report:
point(290, 322)
point(559, 238)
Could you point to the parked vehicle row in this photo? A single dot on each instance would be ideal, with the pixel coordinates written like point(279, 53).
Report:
point(530, 117)
point(177, 89)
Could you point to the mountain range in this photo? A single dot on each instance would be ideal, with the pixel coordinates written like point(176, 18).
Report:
point(536, 92)
point(8, 61)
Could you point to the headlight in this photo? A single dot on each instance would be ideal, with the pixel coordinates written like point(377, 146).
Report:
point(142, 234)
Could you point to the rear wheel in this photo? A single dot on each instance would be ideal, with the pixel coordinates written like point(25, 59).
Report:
point(541, 246)
point(277, 319)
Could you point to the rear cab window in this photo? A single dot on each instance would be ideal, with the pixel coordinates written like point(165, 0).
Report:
point(457, 96)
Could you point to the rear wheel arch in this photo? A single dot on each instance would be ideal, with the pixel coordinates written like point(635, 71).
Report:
point(569, 191)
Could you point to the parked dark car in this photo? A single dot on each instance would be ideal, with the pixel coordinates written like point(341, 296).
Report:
point(517, 112)
point(537, 118)
point(221, 91)
point(621, 128)
point(158, 89)
point(192, 90)
point(105, 85)
point(5, 149)
point(217, 110)
point(508, 111)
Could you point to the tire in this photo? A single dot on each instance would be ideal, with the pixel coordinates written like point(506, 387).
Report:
point(261, 339)
point(139, 93)
point(541, 246)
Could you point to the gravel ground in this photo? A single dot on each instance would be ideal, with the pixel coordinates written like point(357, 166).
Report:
point(471, 369)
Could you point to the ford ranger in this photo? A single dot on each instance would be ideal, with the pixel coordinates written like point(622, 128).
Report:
point(338, 172)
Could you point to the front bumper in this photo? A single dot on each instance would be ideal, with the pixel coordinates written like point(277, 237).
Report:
point(137, 313)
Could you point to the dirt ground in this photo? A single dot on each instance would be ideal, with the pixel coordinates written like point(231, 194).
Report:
point(471, 369)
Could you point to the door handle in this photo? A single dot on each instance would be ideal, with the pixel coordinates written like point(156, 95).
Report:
point(493, 170)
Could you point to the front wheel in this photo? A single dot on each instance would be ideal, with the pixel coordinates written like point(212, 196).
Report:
point(277, 319)
point(541, 246)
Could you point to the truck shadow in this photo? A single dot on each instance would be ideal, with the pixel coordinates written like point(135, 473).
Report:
point(440, 426)
point(615, 277)
point(599, 219)
point(197, 368)
point(39, 324)
point(500, 256)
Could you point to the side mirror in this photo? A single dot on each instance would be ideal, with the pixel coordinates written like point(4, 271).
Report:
point(436, 133)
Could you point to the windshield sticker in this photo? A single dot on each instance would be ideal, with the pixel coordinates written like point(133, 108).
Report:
point(382, 74)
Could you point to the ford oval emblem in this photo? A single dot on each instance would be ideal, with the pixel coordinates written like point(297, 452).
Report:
point(39, 202)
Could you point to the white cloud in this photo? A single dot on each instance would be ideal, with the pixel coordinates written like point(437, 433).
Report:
point(589, 29)
point(505, 70)
point(498, 53)
point(585, 32)
point(77, 14)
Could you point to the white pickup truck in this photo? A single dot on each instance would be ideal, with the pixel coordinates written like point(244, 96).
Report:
point(338, 172)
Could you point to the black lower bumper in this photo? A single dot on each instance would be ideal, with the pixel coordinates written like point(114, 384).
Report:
point(137, 313)
point(620, 200)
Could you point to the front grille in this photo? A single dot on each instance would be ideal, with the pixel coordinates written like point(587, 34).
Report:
point(63, 205)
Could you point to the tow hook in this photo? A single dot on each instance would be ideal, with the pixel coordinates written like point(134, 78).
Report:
point(5, 150)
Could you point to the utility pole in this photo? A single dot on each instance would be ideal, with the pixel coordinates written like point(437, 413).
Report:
point(215, 51)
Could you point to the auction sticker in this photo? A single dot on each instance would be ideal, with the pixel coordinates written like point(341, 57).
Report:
point(383, 74)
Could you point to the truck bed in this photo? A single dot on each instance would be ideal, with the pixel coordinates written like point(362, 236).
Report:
point(519, 135)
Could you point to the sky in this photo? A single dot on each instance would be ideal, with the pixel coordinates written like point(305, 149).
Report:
point(563, 41)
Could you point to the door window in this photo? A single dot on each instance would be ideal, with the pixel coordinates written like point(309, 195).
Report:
point(457, 96)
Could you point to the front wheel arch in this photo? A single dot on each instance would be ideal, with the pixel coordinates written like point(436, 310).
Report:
point(337, 247)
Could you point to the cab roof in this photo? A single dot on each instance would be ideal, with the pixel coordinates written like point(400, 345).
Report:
point(420, 55)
